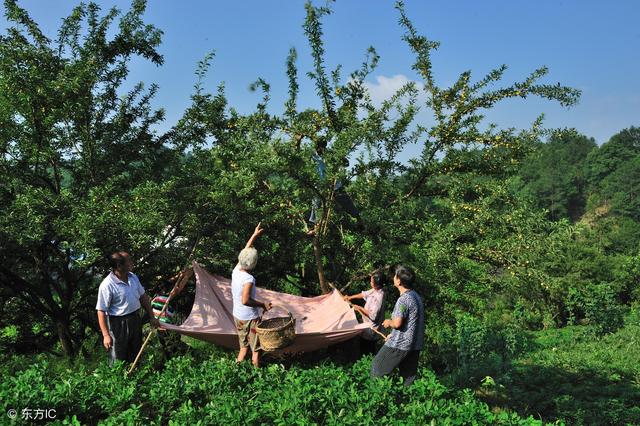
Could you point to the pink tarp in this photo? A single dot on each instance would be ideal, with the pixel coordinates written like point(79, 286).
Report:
point(320, 321)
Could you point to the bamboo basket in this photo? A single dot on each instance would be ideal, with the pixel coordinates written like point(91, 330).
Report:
point(276, 333)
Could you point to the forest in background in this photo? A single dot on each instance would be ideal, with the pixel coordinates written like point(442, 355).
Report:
point(522, 240)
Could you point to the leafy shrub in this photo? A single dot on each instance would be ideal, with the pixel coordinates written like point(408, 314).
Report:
point(569, 375)
point(473, 349)
point(217, 391)
point(599, 307)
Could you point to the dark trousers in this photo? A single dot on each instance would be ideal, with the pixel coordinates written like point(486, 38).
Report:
point(389, 358)
point(126, 333)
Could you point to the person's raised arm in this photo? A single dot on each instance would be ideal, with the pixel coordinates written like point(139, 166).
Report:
point(256, 233)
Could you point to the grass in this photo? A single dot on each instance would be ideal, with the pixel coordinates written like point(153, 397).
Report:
point(571, 375)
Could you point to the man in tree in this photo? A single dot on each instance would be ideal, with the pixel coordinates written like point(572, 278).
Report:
point(342, 198)
point(403, 345)
point(372, 311)
point(245, 305)
point(119, 298)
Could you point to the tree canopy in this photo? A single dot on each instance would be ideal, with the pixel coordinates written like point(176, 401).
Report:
point(84, 173)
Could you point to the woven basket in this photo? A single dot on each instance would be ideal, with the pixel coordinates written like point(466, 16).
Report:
point(276, 333)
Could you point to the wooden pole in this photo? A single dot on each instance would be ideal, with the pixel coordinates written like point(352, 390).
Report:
point(185, 275)
point(383, 335)
point(153, 330)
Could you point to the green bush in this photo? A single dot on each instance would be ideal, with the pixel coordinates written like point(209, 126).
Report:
point(472, 348)
point(217, 391)
point(599, 307)
point(570, 375)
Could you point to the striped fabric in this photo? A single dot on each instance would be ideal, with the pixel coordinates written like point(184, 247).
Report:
point(157, 304)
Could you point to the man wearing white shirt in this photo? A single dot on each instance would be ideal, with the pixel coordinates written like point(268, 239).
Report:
point(120, 296)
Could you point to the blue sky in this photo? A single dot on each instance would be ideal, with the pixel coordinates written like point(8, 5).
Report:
point(590, 45)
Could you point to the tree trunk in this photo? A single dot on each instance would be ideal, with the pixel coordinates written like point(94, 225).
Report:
point(64, 334)
point(318, 255)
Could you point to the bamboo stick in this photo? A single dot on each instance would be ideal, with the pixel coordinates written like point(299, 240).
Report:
point(382, 334)
point(153, 330)
point(179, 285)
point(180, 282)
